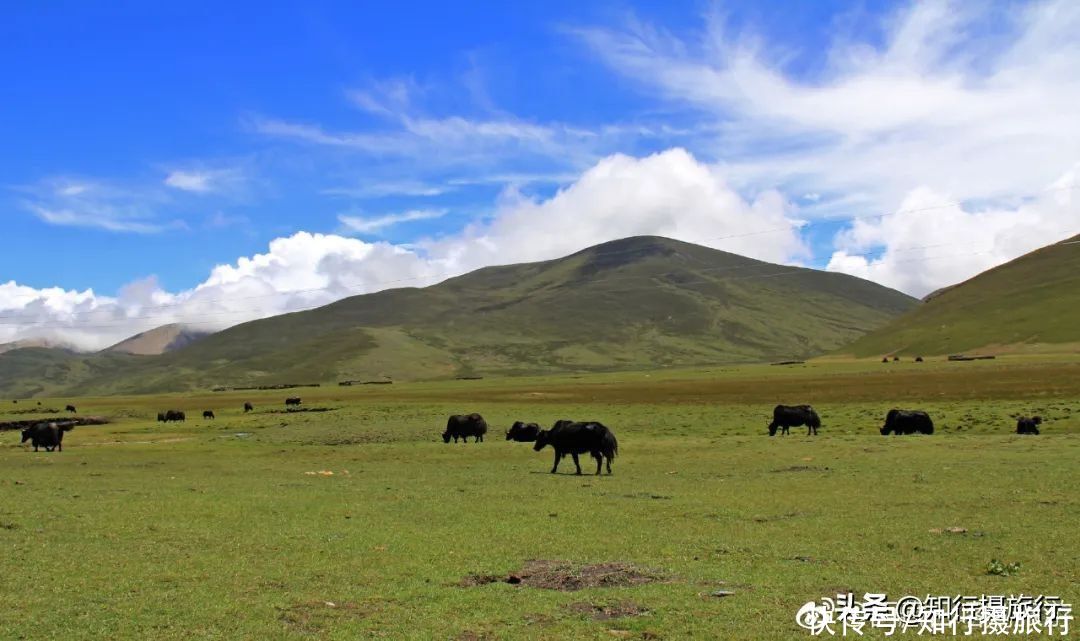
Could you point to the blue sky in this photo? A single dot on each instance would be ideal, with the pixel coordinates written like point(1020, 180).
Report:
point(152, 153)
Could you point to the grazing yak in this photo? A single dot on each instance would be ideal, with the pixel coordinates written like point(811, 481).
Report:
point(573, 438)
point(918, 359)
point(161, 417)
point(785, 416)
point(907, 422)
point(292, 400)
point(522, 432)
point(1027, 425)
point(70, 408)
point(248, 407)
point(463, 426)
point(208, 414)
point(172, 415)
point(47, 435)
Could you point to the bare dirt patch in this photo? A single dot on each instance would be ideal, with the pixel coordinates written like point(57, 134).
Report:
point(569, 577)
point(297, 410)
point(777, 517)
point(36, 410)
point(471, 635)
point(802, 468)
point(607, 612)
point(312, 617)
point(73, 421)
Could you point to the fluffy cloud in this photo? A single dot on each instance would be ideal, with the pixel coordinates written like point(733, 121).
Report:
point(955, 244)
point(948, 105)
point(669, 194)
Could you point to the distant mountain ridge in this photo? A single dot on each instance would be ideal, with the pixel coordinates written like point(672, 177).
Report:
point(1026, 304)
point(633, 303)
point(159, 340)
point(24, 343)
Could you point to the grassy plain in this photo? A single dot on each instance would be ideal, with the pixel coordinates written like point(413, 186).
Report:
point(215, 529)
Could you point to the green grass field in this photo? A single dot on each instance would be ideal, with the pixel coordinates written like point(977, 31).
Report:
point(216, 529)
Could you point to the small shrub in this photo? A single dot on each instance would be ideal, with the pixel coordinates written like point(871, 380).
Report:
point(997, 568)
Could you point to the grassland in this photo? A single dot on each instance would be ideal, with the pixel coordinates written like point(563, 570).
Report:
point(215, 529)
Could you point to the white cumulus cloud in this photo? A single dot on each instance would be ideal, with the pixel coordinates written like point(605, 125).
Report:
point(668, 194)
point(953, 103)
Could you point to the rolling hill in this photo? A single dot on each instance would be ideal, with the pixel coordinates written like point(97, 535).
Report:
point(632, 303)
point(35, 342)
point(167, 338)
point(1029, 303)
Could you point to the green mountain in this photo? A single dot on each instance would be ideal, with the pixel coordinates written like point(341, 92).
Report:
point(1032, 302)
point(632, 303)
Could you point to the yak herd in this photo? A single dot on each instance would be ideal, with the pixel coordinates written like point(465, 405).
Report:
point(565, 436)
point(594, 438)
point(896, 421)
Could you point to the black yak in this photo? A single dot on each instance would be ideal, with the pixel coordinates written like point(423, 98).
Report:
point(292, 400)
point(522, 432)
point(161, 417)
point(208, 414)
point(248, 407)
point(785, 416)
point(47, 435)
point(907, 422)
point(463, 426)
point(70, 408)
point(573, 438)
point(1027, 425)
point(174, 415)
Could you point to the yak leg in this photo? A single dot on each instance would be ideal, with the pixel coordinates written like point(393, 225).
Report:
point(558, 457)
point(599, 461)
point(576, 463)
point(608, 465)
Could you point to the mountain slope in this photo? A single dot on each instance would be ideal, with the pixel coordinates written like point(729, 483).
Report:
point(632, 303)
point(35, 342)
point(1034, 299)
point(167, 338)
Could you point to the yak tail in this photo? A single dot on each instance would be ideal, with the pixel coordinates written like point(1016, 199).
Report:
point(611, 445)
